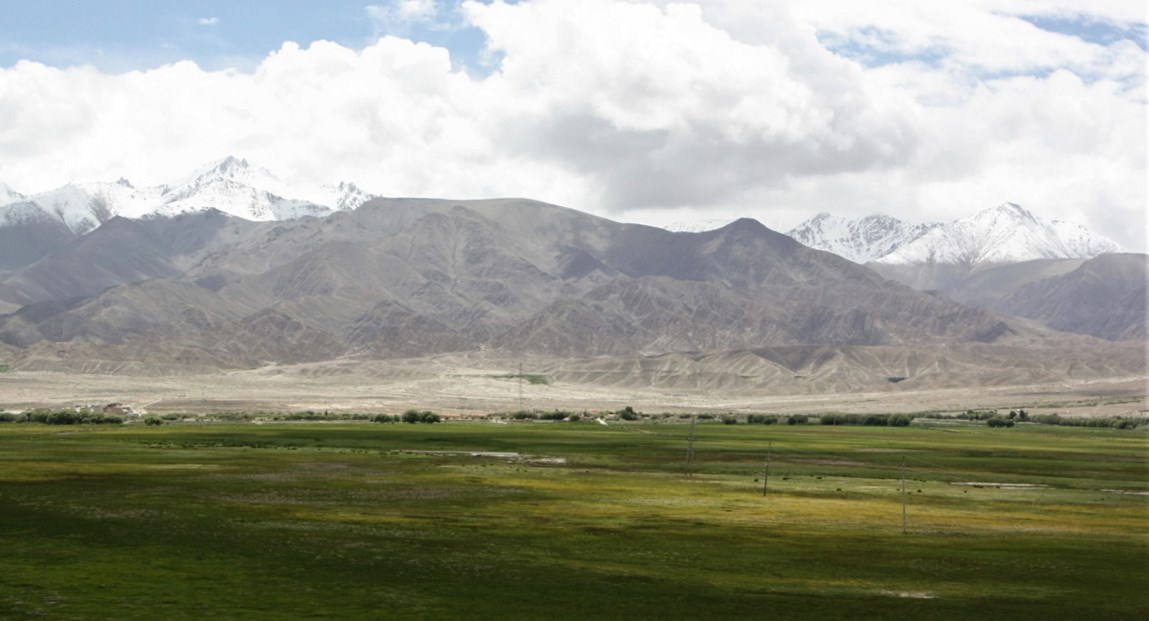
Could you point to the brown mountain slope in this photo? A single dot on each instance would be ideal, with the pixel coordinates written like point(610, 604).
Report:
point(1103, 297)
point(409, 277)
point(28, 240)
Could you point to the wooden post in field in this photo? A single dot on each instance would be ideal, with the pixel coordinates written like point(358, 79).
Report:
point(766, 471)
point(690, 446)
point(903, 494)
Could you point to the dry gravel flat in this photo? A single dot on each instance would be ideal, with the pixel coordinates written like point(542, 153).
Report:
point(476, 385)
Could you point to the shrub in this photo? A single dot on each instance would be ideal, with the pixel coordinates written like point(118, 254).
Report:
point(627, 413)
point(154, 421)
point(63, 417)
point(901, 420)
point(556, 415)
point(412, 416)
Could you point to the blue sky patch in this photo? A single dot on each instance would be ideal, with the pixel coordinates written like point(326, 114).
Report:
point(875, 47)
point(1092, 31)
point(125, 35)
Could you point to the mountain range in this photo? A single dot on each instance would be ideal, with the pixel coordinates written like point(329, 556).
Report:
point(410, 277)
point(1007, 233)
point(40, 223)
point(1005, 259)
point(223, 271)
point(859, 240)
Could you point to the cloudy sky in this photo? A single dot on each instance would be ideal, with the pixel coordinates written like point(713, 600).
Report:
point(644, 111)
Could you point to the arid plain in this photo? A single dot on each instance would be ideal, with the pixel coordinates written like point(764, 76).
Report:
point(468, 385)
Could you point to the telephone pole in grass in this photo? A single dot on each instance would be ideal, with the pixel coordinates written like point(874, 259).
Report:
point(766, 470)
point(903, 494)
point(690, 446)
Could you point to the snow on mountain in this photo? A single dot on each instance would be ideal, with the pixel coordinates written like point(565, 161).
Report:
point(21, 212)
point(698, 226)
point(861, 240)
point(1003, 234)
point(1082, 242)
point(15, 208)
point(345, 196)
point(9, 196)
point(235, 187)
point(230, 185)
point(79, 208)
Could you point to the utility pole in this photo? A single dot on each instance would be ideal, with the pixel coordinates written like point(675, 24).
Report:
point(690, 447)
point(520, 385)
point(766, 471)
point(903, 494)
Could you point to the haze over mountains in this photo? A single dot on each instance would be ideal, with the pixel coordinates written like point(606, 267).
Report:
point(183, 285)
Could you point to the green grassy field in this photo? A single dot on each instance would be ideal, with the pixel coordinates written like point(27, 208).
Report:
point(370, 521)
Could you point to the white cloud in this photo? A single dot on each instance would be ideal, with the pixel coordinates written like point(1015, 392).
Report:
point(645, 110)
point(208, 21)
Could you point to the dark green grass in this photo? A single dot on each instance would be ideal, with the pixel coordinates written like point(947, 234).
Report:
point(300, 521)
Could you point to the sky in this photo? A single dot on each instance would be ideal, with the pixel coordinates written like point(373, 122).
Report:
point(640, 111)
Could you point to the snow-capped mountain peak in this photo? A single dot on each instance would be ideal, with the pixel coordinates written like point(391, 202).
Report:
point(344, 196)
point(698, 226)
point(861, 240)
point(229, 166)
point(8, 195)
point(1007, 233)
point(231, 185)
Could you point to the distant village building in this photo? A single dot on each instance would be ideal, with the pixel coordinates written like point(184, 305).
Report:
point(119, 409)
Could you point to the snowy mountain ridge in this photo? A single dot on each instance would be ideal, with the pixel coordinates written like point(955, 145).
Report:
point(8, 195)
point(230, 185)
point(697, 226)
point(860, 241)
point(1007, 233)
